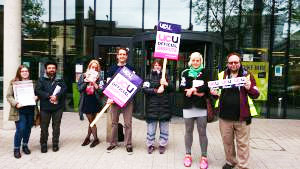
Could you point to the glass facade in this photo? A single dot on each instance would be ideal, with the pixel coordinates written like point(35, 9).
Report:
point(266, 33)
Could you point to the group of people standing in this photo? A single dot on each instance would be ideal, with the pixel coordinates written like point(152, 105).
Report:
point(51, 107)
point(234, 104)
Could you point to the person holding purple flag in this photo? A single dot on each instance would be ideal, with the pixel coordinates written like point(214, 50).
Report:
point(115, 110)
point(158, 110)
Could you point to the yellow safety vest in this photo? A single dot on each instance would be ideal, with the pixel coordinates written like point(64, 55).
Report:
point(253, 111)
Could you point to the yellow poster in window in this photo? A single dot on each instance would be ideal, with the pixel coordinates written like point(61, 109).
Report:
point(260, 71)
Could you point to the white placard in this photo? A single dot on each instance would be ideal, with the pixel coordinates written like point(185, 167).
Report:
point(24, 92)
point(91, 75)
point(79, 68)
point(227, 83)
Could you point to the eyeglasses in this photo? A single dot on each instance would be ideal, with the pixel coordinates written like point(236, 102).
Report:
point(231, 63)
point(122, 54)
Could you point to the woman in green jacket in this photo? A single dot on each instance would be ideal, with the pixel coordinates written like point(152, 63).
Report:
point(22, 115)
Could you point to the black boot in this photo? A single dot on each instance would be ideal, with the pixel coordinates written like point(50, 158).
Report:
point(44, 148)
point(94, 143)
point(26, 150)
point(55, 147)
point(17, 153)
point(81, 116)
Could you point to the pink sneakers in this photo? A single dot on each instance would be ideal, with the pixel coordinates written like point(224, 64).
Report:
point(187, 160)
point(203, 163)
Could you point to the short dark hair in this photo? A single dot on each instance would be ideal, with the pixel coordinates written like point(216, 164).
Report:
point(50, 62)
point(157, 61)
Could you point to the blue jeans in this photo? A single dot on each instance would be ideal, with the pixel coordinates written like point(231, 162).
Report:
point(151, 131)
point(23, 129)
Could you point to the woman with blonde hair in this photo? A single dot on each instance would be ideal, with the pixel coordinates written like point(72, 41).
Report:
point(22, 115)
point(90, 87)
point(194, 87)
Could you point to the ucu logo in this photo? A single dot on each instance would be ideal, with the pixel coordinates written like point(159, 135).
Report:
point(123, 85)
point(128, 73)
point(168, 38)
point(165, 26)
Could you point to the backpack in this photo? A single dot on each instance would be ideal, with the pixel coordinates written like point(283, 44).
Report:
point(120, 133)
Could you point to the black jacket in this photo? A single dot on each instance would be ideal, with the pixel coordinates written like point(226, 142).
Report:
point(186, 82)
point(44, 89)
point(98, 93)
point(157, 105)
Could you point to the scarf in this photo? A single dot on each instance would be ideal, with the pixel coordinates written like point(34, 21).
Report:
point(195, 72)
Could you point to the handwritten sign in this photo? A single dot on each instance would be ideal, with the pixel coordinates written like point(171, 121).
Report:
point(123, 86)
point(167, 41)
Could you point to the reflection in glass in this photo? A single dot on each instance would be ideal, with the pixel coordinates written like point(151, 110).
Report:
point(57, 33)
point(127, 13)
point(89, 9)
point(35, 36)
point(150, 14)
point(102, 10)
point(70, 9)
point(57, 10)
point(175, 11)
point(294, 64)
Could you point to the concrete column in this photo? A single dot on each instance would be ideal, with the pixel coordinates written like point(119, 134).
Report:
point(12, 50)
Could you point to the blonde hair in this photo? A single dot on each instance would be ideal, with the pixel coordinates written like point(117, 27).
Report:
point(94, 61)
point(194, 55)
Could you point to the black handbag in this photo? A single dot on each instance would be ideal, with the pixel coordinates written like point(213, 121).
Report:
point(212, 113)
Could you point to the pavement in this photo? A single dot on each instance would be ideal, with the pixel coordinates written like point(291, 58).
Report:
point(275, 144)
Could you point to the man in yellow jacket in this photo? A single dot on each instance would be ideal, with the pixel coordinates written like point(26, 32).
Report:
point(236, 108)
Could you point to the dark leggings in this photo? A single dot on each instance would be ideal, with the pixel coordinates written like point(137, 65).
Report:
point(189, 128)
point(92, 130)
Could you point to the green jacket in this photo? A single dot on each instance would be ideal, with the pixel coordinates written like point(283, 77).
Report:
point(14, 113)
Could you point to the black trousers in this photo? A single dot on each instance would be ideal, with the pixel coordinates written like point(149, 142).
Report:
point(45, 121)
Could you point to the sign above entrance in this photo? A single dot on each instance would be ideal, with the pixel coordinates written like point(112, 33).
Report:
point(167, 41)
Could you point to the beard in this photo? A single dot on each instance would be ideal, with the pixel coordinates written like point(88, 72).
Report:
point(51, 73)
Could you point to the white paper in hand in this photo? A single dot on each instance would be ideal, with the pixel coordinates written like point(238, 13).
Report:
point(91, 75)
point(198, 83)
point(56, 90)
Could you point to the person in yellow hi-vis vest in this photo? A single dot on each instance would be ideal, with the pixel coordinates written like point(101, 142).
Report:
point(236, 108)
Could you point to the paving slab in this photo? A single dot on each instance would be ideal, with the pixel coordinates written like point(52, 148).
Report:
point(275, 143)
